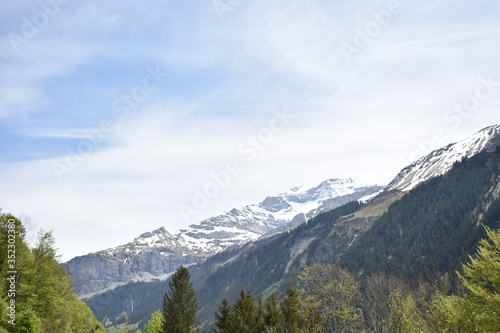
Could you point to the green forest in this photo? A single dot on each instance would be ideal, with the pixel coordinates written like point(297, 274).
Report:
point(329, 299)
point(36, 294)
point(400, 248)
point(326, 298)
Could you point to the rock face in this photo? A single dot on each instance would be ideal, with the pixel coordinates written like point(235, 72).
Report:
point(97, 272)
point(158, 253)
point(440, 161)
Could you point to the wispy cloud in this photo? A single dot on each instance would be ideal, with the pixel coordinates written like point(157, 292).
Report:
point(223, 80)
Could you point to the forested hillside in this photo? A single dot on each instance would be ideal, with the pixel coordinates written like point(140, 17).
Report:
point(330, 300)
point(420, 237)
point(435, 226)
point(36, 294)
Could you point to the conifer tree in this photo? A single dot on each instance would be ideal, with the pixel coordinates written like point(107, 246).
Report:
point(180, 304)
point(291, 308)
point(272, 314)
point(260, 315)
point(223, 317)
point(244, 318)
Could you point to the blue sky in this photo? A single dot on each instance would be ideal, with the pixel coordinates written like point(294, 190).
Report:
point(173, 91)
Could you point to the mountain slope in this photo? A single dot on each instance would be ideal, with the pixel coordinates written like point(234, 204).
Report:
point(419, 234)
point(441, 160)
point(433, 228)
point(254, 266)
point(428, 232)
point(158, 253)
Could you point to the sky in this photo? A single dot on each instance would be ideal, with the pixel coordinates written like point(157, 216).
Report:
point(119, 117)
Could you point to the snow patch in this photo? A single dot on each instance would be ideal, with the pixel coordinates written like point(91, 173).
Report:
point(441, 161)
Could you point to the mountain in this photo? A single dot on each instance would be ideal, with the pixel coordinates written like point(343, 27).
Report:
point(435, 226)
point(441, 160)
point(158, 253)
point(418, 234)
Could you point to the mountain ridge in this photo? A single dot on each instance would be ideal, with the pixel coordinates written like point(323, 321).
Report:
point(267, 264)
point(441, 160)
point(157, 253)
point(395, 246)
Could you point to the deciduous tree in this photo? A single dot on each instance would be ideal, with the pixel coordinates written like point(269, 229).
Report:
point(333, 292)
point(478, 310)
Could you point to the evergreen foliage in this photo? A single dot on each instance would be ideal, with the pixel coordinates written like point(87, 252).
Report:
point(244, 314)
point(272, 314)
point(180, 304)
point(376, 300)
point(433, 228)
point(110, 307)
point(298, 311)
point(415, 247)
point(266, 264)
point(222, 317)
point(291, 307)
point(405, 316)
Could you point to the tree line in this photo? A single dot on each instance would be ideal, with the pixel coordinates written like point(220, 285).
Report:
point(434, 227)
point(327, 298)
point(36, 295)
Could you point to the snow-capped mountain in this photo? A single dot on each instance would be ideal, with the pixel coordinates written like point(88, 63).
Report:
point(441, 160)
point(275, 213)
point(160, 252)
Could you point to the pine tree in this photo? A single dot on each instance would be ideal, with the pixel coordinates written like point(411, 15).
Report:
point(272, 314)
point(260, 314)
point(223, 317)
point(244, 318)
point(180, 304)
point(291, 307)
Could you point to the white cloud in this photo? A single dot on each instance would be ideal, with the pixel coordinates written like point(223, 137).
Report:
point(362, 119)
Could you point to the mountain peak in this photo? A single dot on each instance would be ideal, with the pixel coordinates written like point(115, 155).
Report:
point(441, 160)
point(159, 252)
